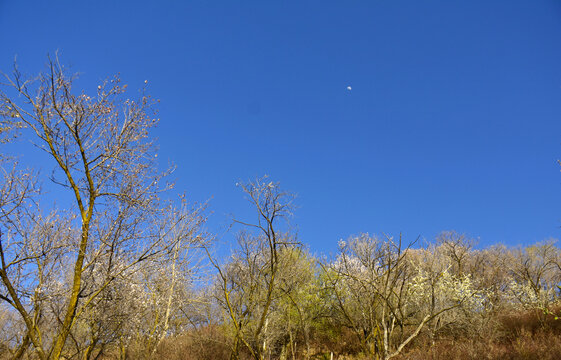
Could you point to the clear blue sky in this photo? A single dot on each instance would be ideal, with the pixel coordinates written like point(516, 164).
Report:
point(453, 120)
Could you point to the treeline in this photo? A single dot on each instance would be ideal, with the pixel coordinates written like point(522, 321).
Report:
point(125, 271)
point(379, 299)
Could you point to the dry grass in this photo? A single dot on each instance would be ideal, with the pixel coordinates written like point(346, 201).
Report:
point(527, 335)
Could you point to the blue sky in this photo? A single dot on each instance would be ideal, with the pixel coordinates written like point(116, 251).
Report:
point(453, 120)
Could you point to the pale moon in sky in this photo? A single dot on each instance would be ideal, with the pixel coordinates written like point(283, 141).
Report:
point(349, 88)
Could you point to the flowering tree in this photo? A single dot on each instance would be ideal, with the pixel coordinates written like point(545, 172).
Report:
point(535, 276)
point(385, 298)
point(56, 265)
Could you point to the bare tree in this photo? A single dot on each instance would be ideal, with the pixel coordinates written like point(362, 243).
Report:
point(535, 274)
point(55, 267)
point(248, 284)
point(458, 248)
point(369, 279)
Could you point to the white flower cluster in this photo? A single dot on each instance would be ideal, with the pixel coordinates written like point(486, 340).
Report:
point(526, 296)
point(447, 290)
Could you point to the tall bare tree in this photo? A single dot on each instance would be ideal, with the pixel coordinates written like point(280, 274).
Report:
point(249, 283)
point(56, 264)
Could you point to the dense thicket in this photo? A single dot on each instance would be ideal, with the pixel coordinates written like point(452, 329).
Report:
point(120, 272)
